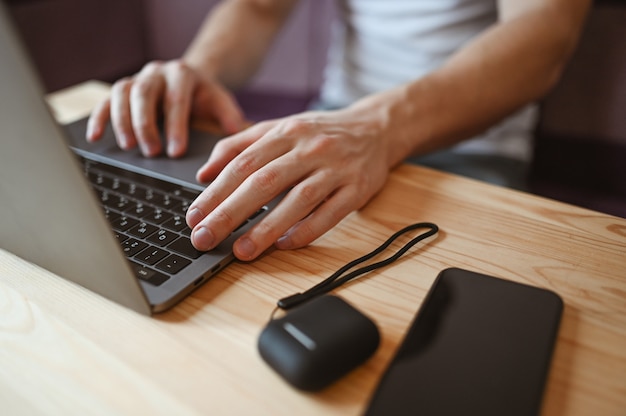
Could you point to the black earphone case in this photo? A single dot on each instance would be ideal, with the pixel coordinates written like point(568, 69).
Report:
point(318, 342)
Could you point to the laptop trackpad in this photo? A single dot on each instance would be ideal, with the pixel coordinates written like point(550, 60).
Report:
point(200, 146)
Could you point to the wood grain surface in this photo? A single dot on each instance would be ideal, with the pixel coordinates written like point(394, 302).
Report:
point(65, 350)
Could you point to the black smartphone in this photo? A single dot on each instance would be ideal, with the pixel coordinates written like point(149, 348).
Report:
point(479, 345)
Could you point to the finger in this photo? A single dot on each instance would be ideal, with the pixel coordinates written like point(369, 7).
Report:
point(215, 103)
point(303, 199)
point(328, 214)
point(145, 95)
point(215, 193)
point(219, 210)
point(98, 120)
point(120, 114)
point(259, 170)
point(229, 148)
point(177, 107)
point(227, 111)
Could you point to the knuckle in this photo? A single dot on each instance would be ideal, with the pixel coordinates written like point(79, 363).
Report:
point(265, 181)
point(178, 65)
point(152, 67)
point(222, 218)
point(242, 166)
point(320, 145)
point(308, 194)
point(263, 125)
point(295, 126)
point(122, 84)
point(265, 229)
point(141, 88)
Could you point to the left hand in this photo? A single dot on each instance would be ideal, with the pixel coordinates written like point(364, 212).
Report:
point(331, 163)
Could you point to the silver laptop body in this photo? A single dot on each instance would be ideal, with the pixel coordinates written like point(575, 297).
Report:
point(49, 213)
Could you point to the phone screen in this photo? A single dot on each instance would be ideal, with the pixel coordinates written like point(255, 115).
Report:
point(479, 345)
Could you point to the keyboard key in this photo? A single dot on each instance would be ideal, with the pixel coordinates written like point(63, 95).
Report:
point(176, 223)
point(183, 207)
point(117, 184)
point(121, 237)
point(140, 210)
point(99, 179)
point(173, 264)
point(132, 247)
point(151, 276)
point(186, 193)
point(162, 237)
point(108, 198)
point(153, 197)
point(123, 223)
point(133, 177)
point(121, 204)
point(151, 255)
point(111, 215)
point(142, 230)
point(148, 217)
point(183, 246)
point(133, 190)
point(158, 216)
point(171, 203)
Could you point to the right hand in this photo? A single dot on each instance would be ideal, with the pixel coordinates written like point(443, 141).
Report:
point(174, 88)
point(329, 163)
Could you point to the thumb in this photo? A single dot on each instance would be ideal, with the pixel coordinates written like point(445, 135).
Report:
point(220, 105)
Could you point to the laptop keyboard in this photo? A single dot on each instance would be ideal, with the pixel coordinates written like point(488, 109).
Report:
point(148, 218)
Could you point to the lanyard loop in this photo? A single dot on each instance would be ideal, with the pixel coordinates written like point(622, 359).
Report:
point(336, 279)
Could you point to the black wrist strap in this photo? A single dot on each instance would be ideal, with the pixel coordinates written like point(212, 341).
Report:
point(336, 279)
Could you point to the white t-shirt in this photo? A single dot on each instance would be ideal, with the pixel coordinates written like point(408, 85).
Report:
point(380, 44)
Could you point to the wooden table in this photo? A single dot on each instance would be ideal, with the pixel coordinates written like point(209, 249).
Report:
point(65, 350)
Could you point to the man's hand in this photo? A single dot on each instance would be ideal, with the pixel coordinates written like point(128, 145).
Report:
point(173, 89)
point(330, 163)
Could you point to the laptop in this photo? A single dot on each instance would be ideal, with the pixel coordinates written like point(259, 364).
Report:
point(108, 220)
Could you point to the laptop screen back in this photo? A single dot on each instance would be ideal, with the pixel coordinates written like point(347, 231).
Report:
point(48, 214)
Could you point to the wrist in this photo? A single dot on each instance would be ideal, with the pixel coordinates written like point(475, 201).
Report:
point(397, 118)
point(203, 67)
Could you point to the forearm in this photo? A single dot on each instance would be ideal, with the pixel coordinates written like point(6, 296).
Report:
point(514, 63)
point(235, 37)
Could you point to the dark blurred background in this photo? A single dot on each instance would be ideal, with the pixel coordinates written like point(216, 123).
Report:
point(580, 146)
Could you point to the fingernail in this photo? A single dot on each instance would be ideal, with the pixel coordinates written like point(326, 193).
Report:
point(245, 248)
point(283, 243)
point(203, 239)
point(124, 142)
point(174, 148)
point(146, 149)
point(89, 132)
point(193, 217)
